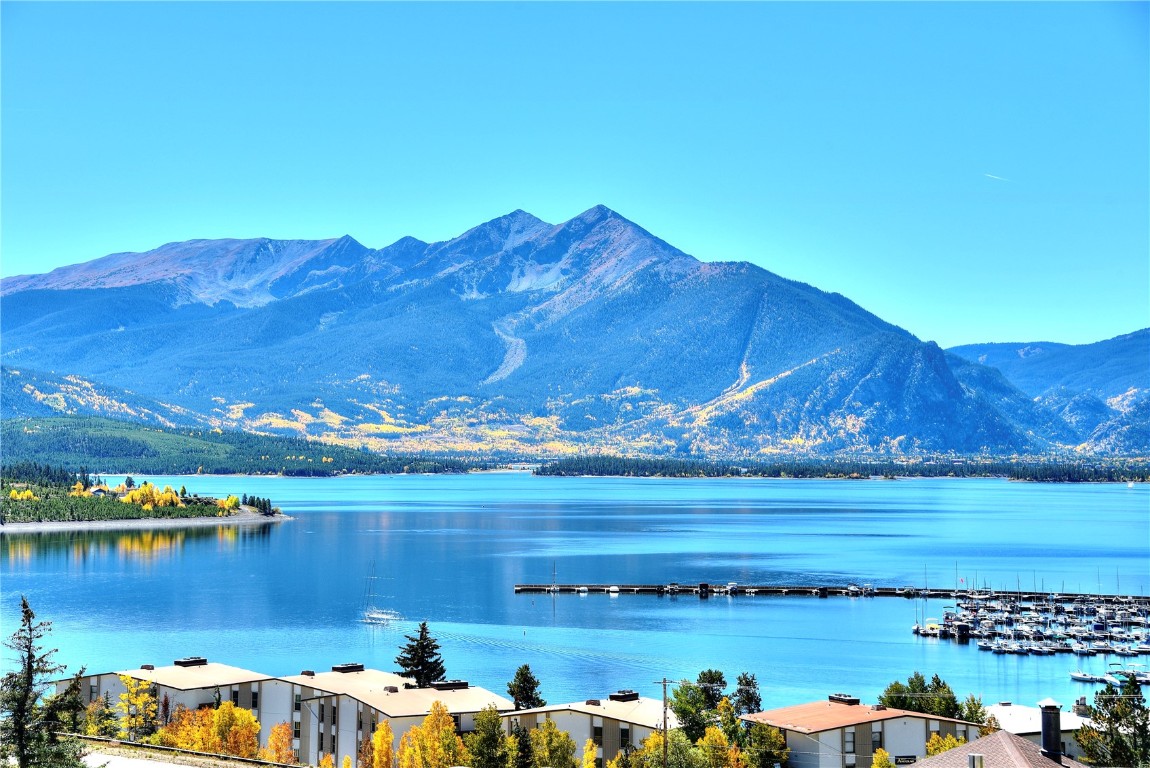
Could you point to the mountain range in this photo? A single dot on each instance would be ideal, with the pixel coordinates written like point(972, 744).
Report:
point(524, 337)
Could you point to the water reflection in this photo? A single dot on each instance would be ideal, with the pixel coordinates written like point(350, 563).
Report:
point(82, 547)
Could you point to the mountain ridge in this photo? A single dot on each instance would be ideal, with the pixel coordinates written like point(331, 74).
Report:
point(527, 336)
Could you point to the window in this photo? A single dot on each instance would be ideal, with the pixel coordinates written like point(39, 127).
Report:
point(235, 697)
point(458, 723)
point(297, 702)
point(961, 732)
point(320, 718)
point(598, 762)
point(93, 692)
point(624, 735)
point(597, 735)
point(849, 741)
point(333, 714)
point(295, 730)
point(255, 699)
point(876, 737)
point(319, 743)
point(934, 726)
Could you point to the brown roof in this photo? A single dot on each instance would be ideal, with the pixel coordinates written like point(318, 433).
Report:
point(825, 715)
point(999, 750)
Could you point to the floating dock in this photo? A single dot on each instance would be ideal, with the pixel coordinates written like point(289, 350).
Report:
point(704, 590)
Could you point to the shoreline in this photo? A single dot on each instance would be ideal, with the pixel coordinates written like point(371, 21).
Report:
point(141, 523)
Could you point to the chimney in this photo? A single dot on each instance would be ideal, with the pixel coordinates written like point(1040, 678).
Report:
point(1051, 729)
point(1080, 707)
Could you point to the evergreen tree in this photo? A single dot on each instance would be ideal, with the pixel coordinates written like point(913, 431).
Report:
point(27, 722)
point(523, 757)
point(524, 689)
point(419, 659)
point(713, 683)
point(917, 695)
point(1119, 729)
point(747, 698)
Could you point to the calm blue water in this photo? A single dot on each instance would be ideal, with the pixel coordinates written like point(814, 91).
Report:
point(448, 550)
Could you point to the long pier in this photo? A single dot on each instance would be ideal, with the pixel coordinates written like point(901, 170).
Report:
point(705, 590)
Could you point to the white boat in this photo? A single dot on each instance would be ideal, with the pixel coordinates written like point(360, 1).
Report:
point(1084, 677)
point(612, 590)
point(582, 590)
point(380, 616)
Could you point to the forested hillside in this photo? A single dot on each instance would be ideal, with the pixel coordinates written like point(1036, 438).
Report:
point(122, 447)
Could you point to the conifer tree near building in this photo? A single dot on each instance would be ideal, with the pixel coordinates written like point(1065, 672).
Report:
point(419, 659)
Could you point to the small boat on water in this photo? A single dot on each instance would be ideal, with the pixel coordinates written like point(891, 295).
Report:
point(1084, 677)
point(380, 616)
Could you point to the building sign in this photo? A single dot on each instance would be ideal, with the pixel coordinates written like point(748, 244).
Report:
point(905, 759)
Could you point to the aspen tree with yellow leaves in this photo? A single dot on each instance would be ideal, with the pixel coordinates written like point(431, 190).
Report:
point(382, 746)
point(227, 730)
point(551, 747)
point(434, 743)
point(238, 730)
point(714, 748)
point(589, 753)
point(138, 709)
point(279, 749)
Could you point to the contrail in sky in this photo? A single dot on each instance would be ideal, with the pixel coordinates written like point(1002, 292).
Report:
point(992, 176)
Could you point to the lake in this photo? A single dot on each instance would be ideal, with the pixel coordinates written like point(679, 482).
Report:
point(449, 549)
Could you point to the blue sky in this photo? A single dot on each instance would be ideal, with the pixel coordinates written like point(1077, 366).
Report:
point(971, 172)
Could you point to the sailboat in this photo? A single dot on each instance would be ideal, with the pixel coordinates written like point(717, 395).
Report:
point(373, 614)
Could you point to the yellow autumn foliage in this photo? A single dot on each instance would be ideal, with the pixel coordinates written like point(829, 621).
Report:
point(227, 730)
point(279, 749)
point(24, 495)
point(148, 497)
point(434, 743)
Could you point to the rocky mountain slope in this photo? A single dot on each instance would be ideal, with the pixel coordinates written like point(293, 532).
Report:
point(516, 336)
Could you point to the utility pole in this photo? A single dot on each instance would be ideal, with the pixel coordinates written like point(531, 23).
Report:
point(664, 683)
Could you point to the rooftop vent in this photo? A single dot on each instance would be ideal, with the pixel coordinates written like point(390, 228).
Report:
point(878, 707)
point(449, 685)
point(347, 668)
point(1004, 703)
point(391, 689)
point(148, 666)
point(843, 698)
point(593, 703)
point(624, 695)
point(308, 673)
point(191, 661)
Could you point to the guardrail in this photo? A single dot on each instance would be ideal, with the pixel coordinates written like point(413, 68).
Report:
point(178, 751)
